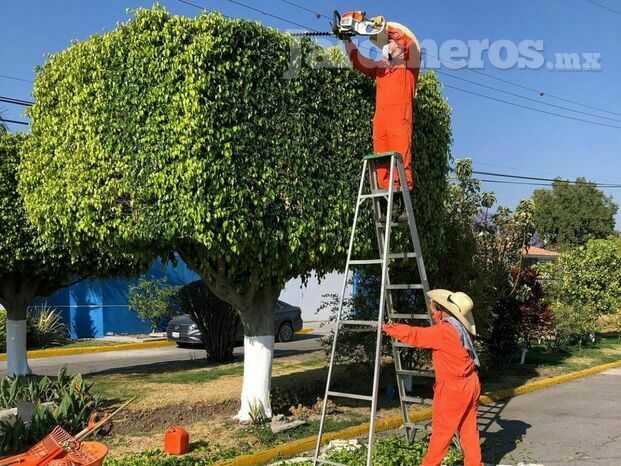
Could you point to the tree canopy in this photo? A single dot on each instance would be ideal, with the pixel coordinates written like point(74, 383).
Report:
point(570, 214)
point(588, 276)
point(184, 133)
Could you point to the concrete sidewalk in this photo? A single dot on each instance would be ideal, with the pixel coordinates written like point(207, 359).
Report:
point(574, 423)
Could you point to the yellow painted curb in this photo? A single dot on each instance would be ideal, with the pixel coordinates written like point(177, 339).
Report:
point(48, 353)
point(304, 330)
point(299, 446)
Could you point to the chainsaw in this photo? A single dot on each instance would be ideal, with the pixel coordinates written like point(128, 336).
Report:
point(351, 23)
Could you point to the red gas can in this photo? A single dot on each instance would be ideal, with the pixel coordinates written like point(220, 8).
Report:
point(176, 441)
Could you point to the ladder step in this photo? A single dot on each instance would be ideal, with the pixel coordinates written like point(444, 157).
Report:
point(331, 463)
point(373, 195)
point(414, 426)
point(409, 316)
point(413, 286)
point(400, 344)
point(416, 399)
point(415, 373)
point(353, 396)
point(402, 255)
point(393, 224)
point(368, 323)
point(365, 261)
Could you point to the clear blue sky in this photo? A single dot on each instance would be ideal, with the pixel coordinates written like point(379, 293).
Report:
point(496, 136)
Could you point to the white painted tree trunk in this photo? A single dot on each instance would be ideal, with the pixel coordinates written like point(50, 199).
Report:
point(258, 355)
point(17, 359)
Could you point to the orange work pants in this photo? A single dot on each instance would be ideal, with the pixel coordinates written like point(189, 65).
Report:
point(392, 131)
point(455, 404)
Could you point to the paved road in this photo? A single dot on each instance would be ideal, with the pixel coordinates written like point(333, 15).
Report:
point(98, 362)
point(575, 423)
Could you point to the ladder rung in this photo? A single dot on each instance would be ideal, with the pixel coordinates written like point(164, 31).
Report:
point(392, 224)
point(351, 395)
point(369, 323)
point(402, 255)
point(415, 373)
point(416, 399)
point(409, 316)
point(400, 344)
point(412, 425)
point(413, 286)
point(365, 261)
point(373, 195)
point(331, 463)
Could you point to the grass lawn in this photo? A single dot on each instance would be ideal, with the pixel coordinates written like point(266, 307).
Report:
point(203, 399)
point(88, 343)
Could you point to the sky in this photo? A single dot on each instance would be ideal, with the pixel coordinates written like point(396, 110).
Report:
point(498, 137)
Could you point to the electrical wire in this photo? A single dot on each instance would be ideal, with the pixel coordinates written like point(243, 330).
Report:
point(604, 7)
point(11, 100)
point(553, 180)
point(16, 122)
point(531, 108)
point(6, 76)
point(318, 14)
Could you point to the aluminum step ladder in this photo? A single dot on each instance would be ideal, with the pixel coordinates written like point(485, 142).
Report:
point(383, 227)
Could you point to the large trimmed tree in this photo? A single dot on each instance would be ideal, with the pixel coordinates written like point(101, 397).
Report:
point(29, 266)
point(172, 133)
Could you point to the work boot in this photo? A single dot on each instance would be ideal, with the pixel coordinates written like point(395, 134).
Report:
point(384, 207)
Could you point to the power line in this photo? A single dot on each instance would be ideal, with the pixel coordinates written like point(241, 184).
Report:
point(526, 98)
point(4, 120)
point(202, 7)
point(6, 76)
point(11, 100)
point(534, 178)
point(604, 7)
point(526, 183)
point(531, 108)
point(318, 14)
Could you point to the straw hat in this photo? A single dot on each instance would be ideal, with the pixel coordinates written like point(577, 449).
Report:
point(458, 304)
point(393, 31)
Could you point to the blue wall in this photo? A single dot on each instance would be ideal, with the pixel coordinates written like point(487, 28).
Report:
point(95, 308)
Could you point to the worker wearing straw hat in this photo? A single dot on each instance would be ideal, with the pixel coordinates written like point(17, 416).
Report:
point(457, 388)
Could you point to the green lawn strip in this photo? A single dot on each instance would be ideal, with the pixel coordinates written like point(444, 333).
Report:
point(543, 364)
point(128, 383)
point(88, 343)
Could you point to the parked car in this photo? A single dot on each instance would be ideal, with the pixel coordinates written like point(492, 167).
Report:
point(287, 320)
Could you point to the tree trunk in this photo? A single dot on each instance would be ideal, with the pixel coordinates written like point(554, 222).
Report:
point(16, 356)
point(258, 354)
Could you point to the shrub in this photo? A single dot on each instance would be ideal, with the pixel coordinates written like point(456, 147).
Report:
point(218, 321)
point(570, 324)
point(392, 451)
point(73, 401)
point(46, 327)
point(153, 301)
point(517, 318)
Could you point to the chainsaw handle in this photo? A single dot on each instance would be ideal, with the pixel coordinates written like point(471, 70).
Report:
point(336, 22)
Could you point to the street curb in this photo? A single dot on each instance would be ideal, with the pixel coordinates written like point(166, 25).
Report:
point(47, 353)
point(299, 446)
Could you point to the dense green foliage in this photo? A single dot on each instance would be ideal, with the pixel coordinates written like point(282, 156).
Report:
point(73, 405)
point(569, 214)
point(184, 134)
point(153, 301)
point(588, 276)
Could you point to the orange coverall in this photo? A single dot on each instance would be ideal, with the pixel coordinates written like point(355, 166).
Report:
point(395, 84)
point(456, 391)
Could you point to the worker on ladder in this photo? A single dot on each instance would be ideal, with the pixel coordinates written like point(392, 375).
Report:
point(457, 388)
point(395, 81)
